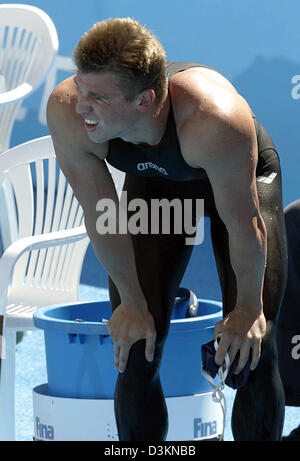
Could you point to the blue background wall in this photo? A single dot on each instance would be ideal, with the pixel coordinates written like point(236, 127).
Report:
point(254, 43)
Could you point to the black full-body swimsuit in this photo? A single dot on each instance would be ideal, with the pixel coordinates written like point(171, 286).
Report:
point(161, 172)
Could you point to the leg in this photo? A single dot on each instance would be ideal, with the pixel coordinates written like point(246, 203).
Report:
point(258, 410)
point(161, 260)
point(288, 323)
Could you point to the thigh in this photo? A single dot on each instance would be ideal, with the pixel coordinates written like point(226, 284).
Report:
point(161, 259)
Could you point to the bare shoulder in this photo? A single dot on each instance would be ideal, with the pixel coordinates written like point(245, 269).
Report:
point(201, 91)
point(212, 118)
point(195, 76)
point(66, 126)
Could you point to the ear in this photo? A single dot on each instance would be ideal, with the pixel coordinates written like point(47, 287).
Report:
point(146, 99)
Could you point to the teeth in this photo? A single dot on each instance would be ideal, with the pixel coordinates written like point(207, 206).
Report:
point(91, 122)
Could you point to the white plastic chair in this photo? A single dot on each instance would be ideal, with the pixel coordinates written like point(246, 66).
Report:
point(43, 266)
point(28, 46)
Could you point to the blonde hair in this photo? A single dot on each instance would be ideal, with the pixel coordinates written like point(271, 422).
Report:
point(125, 47)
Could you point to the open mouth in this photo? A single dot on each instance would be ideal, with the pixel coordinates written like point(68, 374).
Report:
point(90, 125)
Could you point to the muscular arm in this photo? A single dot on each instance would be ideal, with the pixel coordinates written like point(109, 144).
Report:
point(231, 170)
point(91, 181)
point(225, 146)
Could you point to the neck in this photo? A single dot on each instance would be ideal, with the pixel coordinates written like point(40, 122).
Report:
point(150, 128)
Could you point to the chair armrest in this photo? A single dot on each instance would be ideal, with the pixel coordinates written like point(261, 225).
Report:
point(37, 242)
point(12, 96)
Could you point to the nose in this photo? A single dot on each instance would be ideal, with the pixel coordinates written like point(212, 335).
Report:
point(83, 105)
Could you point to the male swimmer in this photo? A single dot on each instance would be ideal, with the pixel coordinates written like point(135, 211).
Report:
point(128, 106)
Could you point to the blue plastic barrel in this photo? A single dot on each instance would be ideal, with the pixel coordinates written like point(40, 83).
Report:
point(79, 349)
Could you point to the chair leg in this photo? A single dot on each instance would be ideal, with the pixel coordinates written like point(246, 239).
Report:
point(8, 217)
point(7, 388)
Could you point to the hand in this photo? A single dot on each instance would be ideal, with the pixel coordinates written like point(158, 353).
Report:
point(129, 324)
point(242, 330)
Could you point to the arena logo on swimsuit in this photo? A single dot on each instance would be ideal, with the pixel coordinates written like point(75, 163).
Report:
point(145, 166)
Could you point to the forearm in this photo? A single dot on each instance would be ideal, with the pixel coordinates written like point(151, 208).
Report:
point(248, 253)
point(115, 252)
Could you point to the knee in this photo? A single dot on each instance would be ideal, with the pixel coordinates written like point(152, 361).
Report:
point(138, 368)
point(139, 372)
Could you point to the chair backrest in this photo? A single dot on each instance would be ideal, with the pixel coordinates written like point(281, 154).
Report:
point(43, 202)
point(28, 46)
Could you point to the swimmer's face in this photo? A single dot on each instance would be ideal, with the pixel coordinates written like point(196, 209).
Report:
point(101, 104)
